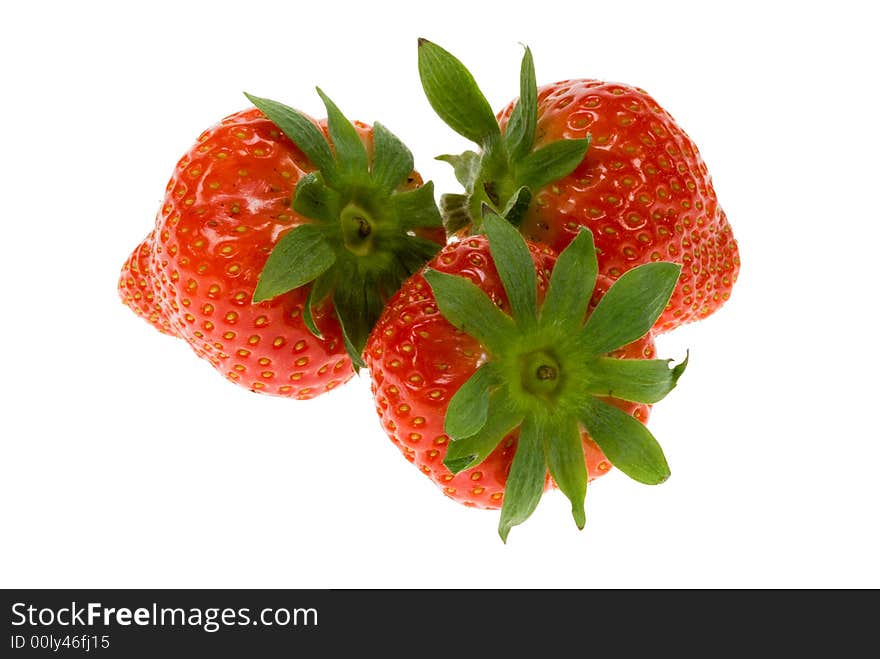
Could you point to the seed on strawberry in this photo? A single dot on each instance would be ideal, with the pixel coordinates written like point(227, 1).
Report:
point(278, 242)
point(497, 376)
point(585, 153)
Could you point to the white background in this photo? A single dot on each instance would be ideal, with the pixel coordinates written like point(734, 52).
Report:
point(128, 462)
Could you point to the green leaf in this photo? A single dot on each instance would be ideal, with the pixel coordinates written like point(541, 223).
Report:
point(630, 307)
point(455, 211)
point(357, 307)
point(297, 258)
point(416, 208)
point(502, 418)
point(301, 131)
point(469, 309)
point(571, 283)
point(313, 199)
point(319, 290)
point(515, 268)
point(528, 474)
point(520, 132)
point(637, 380)
point(351, 156)
point(469, 407)
point(516, 207)
point(454, 95)
point(550, 163)
point(626, 442)
point(392, 161)
point(565, 457)
point(466, 167)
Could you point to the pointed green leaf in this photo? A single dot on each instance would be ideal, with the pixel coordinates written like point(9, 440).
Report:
point(630, 307)
point(515, 268)
point(392, 161)
point(520, 132)
point(565, 457)
point(466, 167)
point(626, 442)
point(301, 131)
point(571, 283)
point(454, 95)
point(637, 380)
point(357, 312)
point(297, 258)
point(351, 156)
point(416, 208)
point(469, 309)
point(551, 162)
point(528, 474)
point(516, 207)
point(319, 290)
point(502, 417)
point(469, 407)
point(455, 211)
point(313, 199)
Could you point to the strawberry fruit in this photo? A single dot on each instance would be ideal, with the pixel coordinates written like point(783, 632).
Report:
point(278, 242)
point(585, 153)
point(488, 377)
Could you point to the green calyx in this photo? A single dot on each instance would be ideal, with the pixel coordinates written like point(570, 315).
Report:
point(362, 239)
point(507, 164)
point(548, 373)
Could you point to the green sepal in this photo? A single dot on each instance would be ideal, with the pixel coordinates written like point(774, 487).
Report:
point(365, 237)
point(625, 441)
point(630, 307)
point(502, 417)
point(416, 208)
point(550, 163)
point(516, 206)
point(516, 269)
point(469, 406)
point(351, 156)
point(469, 309)
point(466, 167)
point(636, 380)
point(319, 290)
point(301, 131)
point(313, 199)
point(455, 96)
point(352, 312)
point(298, 257)
point(455, 211)
point(392, 161)
point(571, 283)
point(565, 458)
point(520, 133)
point(528, 474)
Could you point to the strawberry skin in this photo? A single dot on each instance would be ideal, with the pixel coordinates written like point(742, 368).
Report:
point(226, 205)
point(642, 188)
point(418, 360)
point(136, 288)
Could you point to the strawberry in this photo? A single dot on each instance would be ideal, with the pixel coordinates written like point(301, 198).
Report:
point(585, 153)
point(488, 378)
point(278, 242)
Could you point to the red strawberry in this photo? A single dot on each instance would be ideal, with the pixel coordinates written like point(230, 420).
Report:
point(278, 241)
point(584, 153)
point(486, 352)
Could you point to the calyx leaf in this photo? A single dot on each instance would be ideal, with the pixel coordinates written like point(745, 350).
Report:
point(506, 166)
point(299, 256)
point(546, 370)
point(364, 237)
